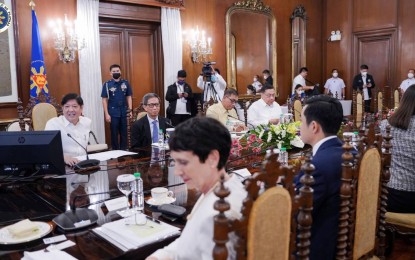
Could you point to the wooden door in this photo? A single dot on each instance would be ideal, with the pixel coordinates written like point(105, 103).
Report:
point(136, 47)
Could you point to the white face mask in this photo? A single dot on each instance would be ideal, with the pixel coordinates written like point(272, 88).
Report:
point(265, 77)
point(255, 79)
point(299, 92)
point(364, 73)
point(410, 75)
point(335, 74)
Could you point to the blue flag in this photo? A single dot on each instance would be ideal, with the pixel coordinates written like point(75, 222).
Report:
point(38, 81)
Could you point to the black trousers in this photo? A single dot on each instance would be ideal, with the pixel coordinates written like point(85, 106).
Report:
point(367, 106)
point(401, 201)
point(177, 119)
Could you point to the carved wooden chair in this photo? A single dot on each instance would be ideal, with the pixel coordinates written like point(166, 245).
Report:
point(358, 108)
point(397, 95)
point(363, 197)
point(298, 107)
point(38, 111)
point(380, 101)
point(275, 223)
point(137, 113)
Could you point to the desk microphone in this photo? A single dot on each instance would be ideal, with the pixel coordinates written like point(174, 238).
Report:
point(242, 121)
point(77, 218)
point(82, 165)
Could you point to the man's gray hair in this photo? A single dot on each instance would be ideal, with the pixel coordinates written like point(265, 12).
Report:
point(148, 96)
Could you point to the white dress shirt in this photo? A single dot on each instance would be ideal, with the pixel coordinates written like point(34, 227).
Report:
point(196, 240)
point(406, 83)
point(80, 132)
point(365, 91)
point(335, 85)
point(260, 113)
point(257, 85)
point(219, 86)
point(298, 80)
point(181, 103)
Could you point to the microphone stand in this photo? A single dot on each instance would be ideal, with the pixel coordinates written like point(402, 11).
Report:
point(88, 165)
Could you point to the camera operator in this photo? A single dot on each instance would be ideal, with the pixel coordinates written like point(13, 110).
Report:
point(211, 82)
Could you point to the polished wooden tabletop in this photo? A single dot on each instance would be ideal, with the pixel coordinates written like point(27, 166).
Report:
point(43, 199)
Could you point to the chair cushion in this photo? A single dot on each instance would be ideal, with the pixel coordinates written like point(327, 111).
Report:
point(401, 219)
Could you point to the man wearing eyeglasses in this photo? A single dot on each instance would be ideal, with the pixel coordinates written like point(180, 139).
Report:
point(224, 110)
point(265, 110)
point(145, 131)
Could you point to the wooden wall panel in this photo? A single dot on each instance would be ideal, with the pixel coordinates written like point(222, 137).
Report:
point(374, 14)
point(62, 78)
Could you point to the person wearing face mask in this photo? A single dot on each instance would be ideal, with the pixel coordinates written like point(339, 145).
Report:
point(268, 78)
point(301, 79)
point(257, 85)
point(335, 85)
point(364, 82)
point(408, 82)
point(116, 100)
point(179, 95)
point(299, 94)
point(213, 89)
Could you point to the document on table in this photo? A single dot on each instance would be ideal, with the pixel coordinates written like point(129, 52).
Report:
point(103, 156)
point(127, 237)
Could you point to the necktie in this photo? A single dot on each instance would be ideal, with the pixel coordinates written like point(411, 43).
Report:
point(155, 132)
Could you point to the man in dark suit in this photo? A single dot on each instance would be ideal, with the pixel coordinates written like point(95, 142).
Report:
point(267, 77)
point(320, 121)
point(179, 95)
point(145, 131)
point(364, 82)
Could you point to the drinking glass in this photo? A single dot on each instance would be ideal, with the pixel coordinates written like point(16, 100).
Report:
point(125, 184)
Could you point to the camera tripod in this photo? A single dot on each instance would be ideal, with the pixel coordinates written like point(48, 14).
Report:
point(209, 92)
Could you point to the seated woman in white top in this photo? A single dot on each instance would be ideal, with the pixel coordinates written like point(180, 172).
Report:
point(201, 162)
point(265, 110)
point(74, 128)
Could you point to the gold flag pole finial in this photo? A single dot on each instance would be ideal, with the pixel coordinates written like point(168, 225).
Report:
point(32, 4)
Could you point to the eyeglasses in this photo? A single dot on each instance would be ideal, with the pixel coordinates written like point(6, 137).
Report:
point(232, 100)
point(153, 105)
point(269, 95)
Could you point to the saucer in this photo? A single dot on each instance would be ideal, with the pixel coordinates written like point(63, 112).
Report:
point(154, 202)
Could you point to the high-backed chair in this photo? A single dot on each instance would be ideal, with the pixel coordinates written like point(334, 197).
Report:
point(15, 127)
point(396, 97)
point(38, 111)
point(275, 222)
point(358, 108)
point(380, 101)
point(298, 107)
point(137, 113)
point(363, 198)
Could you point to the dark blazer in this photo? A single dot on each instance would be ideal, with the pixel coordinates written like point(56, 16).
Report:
point(270, 80)
point(172, 97)
point(326, 199)
point(358, 83)
point(141, 131)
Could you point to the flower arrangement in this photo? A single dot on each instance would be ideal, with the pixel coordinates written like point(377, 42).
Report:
point(263, 136)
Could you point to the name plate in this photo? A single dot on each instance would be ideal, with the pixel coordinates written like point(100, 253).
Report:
point(116, 204)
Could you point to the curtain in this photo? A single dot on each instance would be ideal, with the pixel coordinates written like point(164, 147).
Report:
point(171, 32)
point(90, 65)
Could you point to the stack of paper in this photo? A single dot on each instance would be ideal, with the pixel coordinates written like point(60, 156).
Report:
point(127, 237)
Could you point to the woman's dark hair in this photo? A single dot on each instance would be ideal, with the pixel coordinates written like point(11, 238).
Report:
point(72, 96)
point(202, 135)
point(325, 110)
point(251, 88)
point(402, 116)
point(298, 86)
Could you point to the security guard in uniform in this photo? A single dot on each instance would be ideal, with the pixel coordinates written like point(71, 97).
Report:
point(116, 100)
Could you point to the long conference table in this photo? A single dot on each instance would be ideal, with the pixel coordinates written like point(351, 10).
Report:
point(45, 198)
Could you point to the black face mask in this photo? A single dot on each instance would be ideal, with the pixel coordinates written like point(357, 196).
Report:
point(116, 75)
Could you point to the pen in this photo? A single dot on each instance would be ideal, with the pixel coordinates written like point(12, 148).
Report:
point(153, 219)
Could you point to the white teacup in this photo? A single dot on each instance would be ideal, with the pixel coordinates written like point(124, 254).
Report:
point(161, 194)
